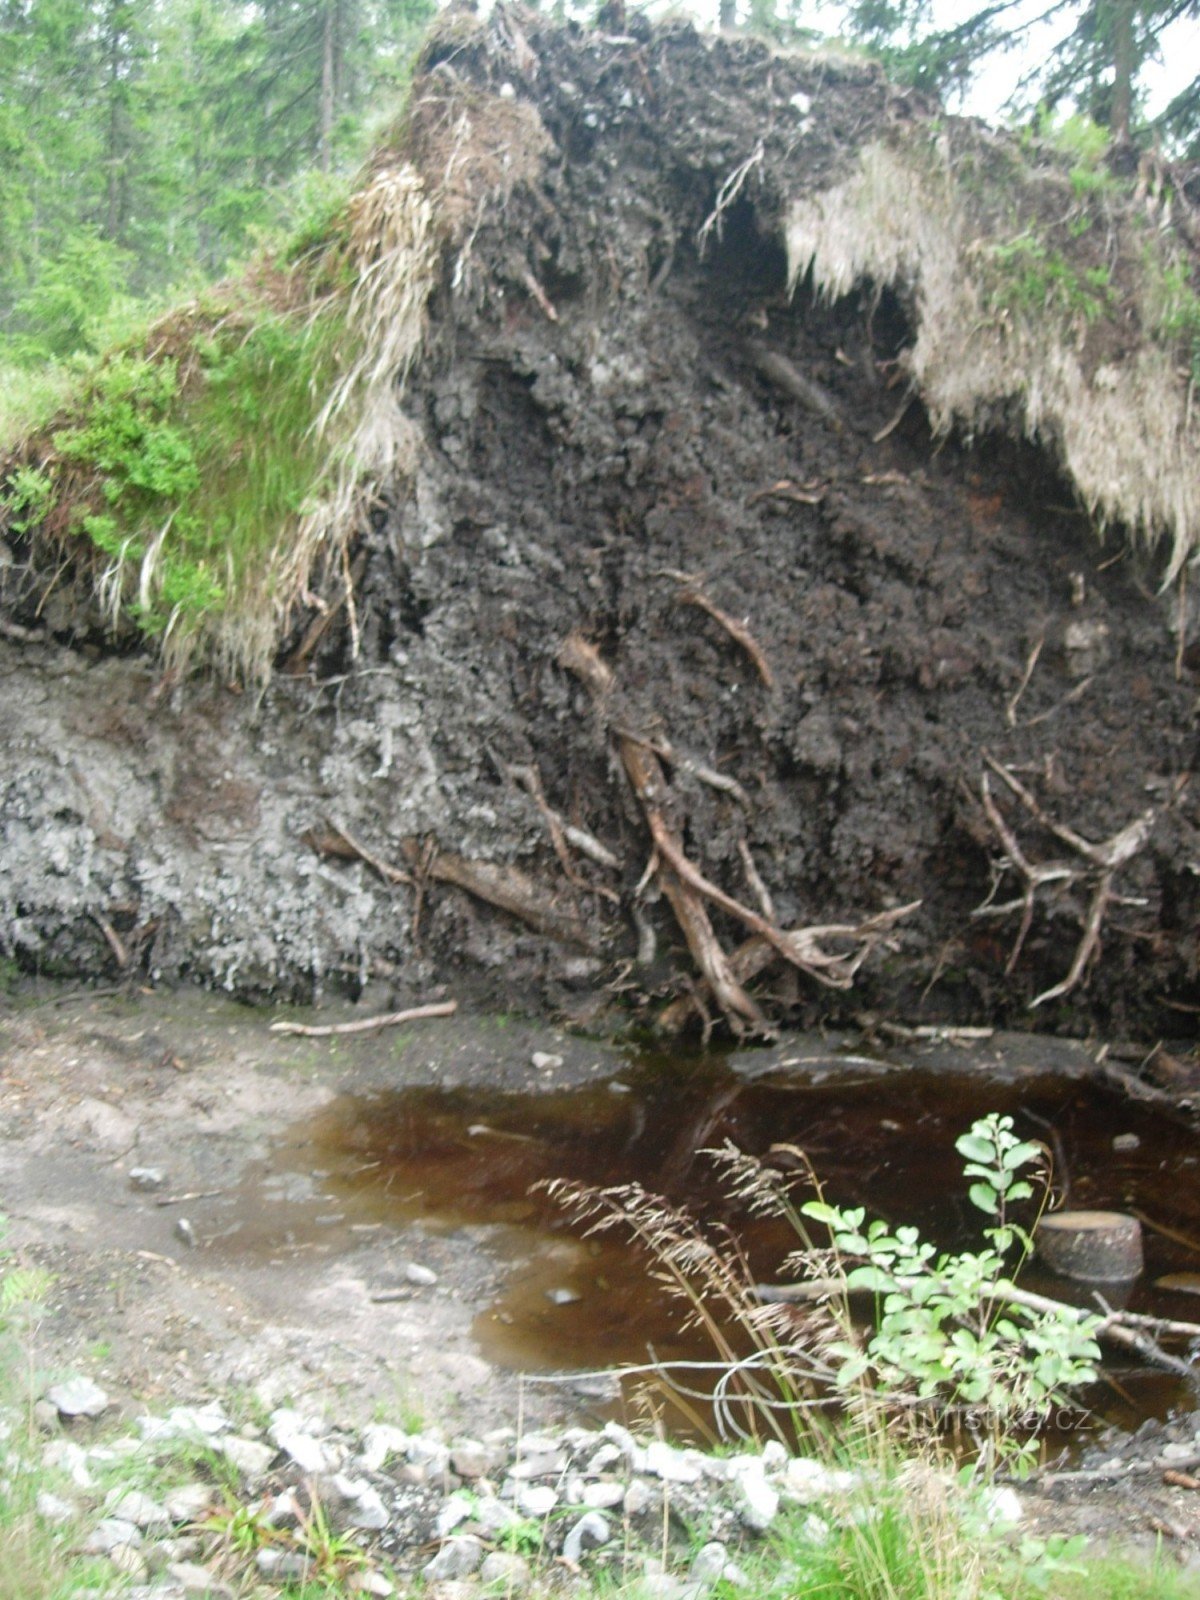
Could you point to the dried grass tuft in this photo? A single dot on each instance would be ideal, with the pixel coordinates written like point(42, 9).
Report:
point(1124, 431)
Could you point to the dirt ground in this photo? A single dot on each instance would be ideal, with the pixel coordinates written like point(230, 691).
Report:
point(92, 1088)
point(651, 443)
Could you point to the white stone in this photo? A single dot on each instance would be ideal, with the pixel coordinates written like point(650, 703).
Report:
point(709, 1563)
point(607, 1456)
point(53, 1508)
point(470, 1459)
point(536, 1499)
point(757, 1501)
point(545, 1062)
point(493, 1517)
point(195, 1579)
point(186, 1422)
point(1002, 1505)
point(591, 1528)
point(774, 1455)
point(503, 1566)
point(672, 1466)
point(78, 1397)
point(250, 1456)
point(423, 1277)
point(64, 1455)
point(365, 1504)
point(639, 1497)
point(604, 1495)
point(380, 1441)
point(456, 1510)
point(458, 1558)
point(293, 1435)
point(109, 1534)
point(131, 1505)
point(189, 1502)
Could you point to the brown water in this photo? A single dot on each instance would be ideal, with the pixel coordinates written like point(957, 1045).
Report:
point(878, 1137)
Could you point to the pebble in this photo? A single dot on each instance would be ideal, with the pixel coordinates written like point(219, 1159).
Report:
point(282, 1564)
point(1126, 1141)
point(292, 1433)
point(455, 1511)
point(194, 1579)
point(109, 1535)
point(493, 1517)
point(639, 1497)
point(186, 1422)
point(470, 1459)
point(543, 1061)
point(423, 1277)
point(129, 1562)
point(78, 1397)
point(363, 1502)
point(380, 1441)
point(187, 1233)
point(189, 1502)
point(371, 1582)
point(64, 1455)
point(459, 1557)
point(131, 1505)
point(504, 1566)
point(591, 1528)
point(603, 1496)
point(536, 1499)
point(709, 1563)
point(672, 1466)
point(562, 1297)
point(147, 1178)
point(758, 1502)
point(54, 1508)
point(249, 1456)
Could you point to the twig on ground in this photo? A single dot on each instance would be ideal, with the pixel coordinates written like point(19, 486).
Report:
point(389, 1019)
point(113, 939)
point(801, 494)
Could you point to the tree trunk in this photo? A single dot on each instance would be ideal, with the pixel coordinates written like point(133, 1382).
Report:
point(1124, 66)
point(328, 87)
point(727, 14)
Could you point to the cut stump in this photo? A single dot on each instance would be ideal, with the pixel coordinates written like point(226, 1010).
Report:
point(1097, 1246)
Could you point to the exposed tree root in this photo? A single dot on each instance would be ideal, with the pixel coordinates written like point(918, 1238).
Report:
point(1096, 871)
point(690, 595)
point(688, 890)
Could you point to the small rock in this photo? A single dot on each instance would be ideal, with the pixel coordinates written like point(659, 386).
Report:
point(365, 1507)
point(562, 1296)
point(590, 1529)
point(249, 1456)
point(806, 1480)
point(603, 1496)
point(607, 1456)
point(503, 1566)
point(774, 1455)
point(757, 1501)
point(430, 1452)
point(423, 1277)
point(470, 1459)
point(53, 1508)
point(282, 1564)
point(815, 1529)
point(453, 1589)
point(109, 1535)
point(132, 1505)
point(295, 1438)
point(147, 1178)
point(536, 1499)
point(46, 1416)
point(639, 1497)
point(544, 1062)
point(1126, 1141)
point(458, 1558)
point(671, 1465)
point(195, 1579)
point(371, 1582)
point(1002, 1505)
point(493, 1517)
point(189, 1502)
point(129, 1562)
point(709, 1563)
point(282, 1510)
point(78, 1397)
point(187, 1233)
point(455, 1511)
point(64, 1455)
point(381, 1441)
point(538, 1466)
point(185, 1422)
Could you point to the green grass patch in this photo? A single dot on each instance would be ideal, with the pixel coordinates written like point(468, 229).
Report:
point(1030, 277)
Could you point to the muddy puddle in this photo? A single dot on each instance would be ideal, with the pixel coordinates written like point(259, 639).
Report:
point(429, 1166)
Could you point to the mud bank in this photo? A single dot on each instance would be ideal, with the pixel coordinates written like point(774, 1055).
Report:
point(865, 668)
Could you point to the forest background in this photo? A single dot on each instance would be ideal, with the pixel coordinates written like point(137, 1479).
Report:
point(147, 147)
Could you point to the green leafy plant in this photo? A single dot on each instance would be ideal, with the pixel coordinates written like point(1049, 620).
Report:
point(1030, 277)
point(27, 497)
point(951, 1328)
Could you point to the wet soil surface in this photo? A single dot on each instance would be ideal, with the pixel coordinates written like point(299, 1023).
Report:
point(313, 1174)
point(594, 452)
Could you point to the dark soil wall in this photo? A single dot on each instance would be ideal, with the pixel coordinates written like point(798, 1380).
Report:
point(598, 418)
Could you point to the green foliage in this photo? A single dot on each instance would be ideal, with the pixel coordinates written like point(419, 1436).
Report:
point(946, 1330)
point(67, 307)
point(27, 498)
point(1174, 310)
point(1029, 277)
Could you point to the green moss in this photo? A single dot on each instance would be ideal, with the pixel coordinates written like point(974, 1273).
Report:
point(1029, 276)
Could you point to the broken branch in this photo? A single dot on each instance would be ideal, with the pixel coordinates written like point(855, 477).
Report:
point(390, 1019)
